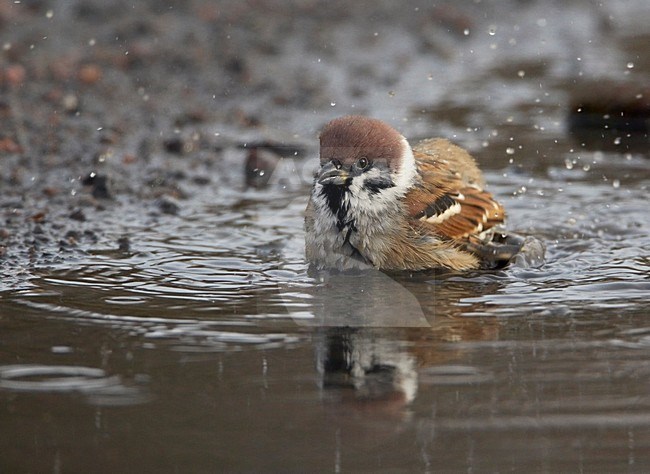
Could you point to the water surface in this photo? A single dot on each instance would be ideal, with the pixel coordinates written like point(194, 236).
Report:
point(205, 344)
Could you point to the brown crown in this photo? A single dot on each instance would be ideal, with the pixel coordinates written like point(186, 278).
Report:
point(349, 138)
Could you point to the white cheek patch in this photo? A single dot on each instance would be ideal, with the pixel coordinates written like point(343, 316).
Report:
point(407, 170)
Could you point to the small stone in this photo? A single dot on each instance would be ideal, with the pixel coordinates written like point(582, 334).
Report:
point(90, 74)
point(174, 145)
point(201, 180)
point(78, 215)
point(8, 145)
point(70, 103)
point(124, 244)
point(259, 167)
point(100, 188)
point(38, 217)
point(15, 74)
point(72, 235)
point(99, 185)
point(129, 158)
point(167, 206)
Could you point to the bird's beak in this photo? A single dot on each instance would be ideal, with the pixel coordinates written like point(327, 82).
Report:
point(330, 174)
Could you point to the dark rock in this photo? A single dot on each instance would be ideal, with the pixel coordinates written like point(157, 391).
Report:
point(174, 145)
point(610, 116)
point(124, 244)
point(78, 215)
point(168, 206)
point(260, 165)
point(99, 185)
point(201, 180)
point(72, 235)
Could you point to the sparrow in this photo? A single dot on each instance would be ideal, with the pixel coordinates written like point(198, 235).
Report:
point(376, 201)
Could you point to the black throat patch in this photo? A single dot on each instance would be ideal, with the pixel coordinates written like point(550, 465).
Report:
point(335, 198)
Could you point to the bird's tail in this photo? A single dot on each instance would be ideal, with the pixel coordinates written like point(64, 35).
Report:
point(498, 248)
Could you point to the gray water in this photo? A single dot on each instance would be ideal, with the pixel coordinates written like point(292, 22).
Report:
point(206, 345)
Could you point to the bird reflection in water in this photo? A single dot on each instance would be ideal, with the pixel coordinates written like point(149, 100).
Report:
point(377, 331)
point(362, 368)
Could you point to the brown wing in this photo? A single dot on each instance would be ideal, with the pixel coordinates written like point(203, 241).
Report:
point(449, 198)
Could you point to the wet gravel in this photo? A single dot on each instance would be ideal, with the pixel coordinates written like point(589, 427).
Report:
point(107, 105)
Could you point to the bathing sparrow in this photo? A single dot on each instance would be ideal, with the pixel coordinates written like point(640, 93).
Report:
point(376, 201)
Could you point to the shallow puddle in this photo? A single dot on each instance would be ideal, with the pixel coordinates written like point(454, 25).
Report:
point(201, 343)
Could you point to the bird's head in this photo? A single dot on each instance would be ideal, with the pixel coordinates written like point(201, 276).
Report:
point(360, 154)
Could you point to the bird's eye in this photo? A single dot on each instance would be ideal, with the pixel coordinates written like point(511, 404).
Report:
point(362, 163)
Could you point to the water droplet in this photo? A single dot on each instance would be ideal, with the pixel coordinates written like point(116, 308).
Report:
point(62, 349)
point(521, 73)
point(430, 77)
point(391, 93)
point(616, 184)
point(332, 104)
point(92, 42)
point(49, 14)
point(630, 65)
point(492, 30)
point(466, 31)
point(617, 141)
point(586, 167)
point(510, 150)
point(541, 22)
point(568, 163)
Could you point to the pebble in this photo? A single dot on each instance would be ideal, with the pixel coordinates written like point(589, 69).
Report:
point(168, 206)
point(90, 74)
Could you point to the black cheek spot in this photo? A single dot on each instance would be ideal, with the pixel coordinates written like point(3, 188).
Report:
point(375, 185)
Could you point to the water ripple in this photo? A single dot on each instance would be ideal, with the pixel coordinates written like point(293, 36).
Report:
point(98, 387)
